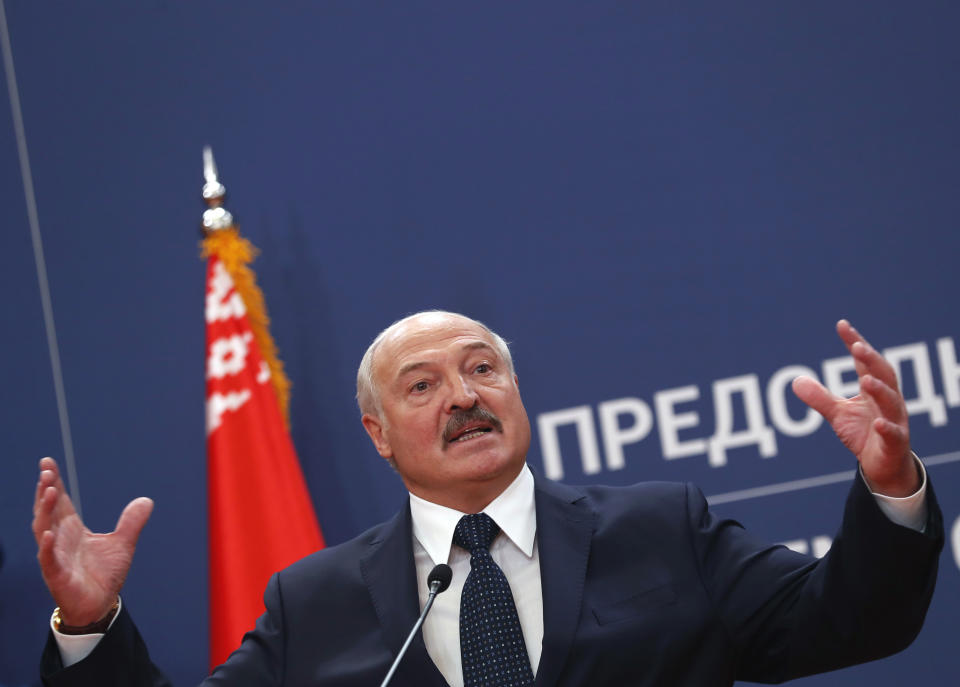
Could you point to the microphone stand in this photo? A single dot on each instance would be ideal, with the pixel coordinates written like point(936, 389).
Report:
point(439, 580)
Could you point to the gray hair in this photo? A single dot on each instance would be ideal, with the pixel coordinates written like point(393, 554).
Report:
point(368, 395)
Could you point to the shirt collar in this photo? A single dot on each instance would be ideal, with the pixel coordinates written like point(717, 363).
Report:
point(513, 511)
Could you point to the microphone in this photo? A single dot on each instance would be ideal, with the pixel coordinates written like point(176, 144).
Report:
point(437, 581)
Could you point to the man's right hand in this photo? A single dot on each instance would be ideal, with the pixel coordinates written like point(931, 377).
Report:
point(84, 571)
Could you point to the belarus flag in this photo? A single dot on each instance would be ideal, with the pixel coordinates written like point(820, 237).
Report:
point(260, 515)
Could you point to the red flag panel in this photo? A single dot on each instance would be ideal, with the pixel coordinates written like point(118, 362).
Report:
point(260, 514)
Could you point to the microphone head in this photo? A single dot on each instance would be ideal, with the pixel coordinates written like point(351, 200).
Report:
point(441, 576)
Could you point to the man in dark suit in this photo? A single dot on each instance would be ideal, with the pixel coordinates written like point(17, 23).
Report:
point(613, 586)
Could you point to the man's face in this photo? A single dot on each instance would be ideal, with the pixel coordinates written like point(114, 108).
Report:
point(452, 418)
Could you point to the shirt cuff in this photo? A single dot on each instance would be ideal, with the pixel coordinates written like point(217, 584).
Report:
point(75, 648)
point(908, 511)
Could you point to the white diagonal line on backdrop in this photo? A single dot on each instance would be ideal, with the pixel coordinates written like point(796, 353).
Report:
point(31, 201)
point(810, 482)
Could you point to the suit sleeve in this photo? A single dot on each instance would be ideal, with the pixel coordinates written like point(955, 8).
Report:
point(790, 615)
point(121, 658)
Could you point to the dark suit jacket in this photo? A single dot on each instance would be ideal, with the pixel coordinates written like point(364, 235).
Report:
point(642, 585)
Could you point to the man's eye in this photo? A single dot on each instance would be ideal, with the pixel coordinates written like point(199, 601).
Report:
point(420, 386)
point(483, 368)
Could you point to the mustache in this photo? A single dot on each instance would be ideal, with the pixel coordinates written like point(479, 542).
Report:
point(462, 418)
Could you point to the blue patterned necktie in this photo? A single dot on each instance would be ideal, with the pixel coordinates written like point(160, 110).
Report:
point(492, 650)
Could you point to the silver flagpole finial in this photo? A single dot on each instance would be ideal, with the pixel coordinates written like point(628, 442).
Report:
point(215, 217)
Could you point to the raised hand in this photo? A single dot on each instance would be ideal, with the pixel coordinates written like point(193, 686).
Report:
point(83, 570)
point(872, 424)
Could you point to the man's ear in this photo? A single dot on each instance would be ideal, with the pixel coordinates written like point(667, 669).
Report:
point(516, 380)
point(374, 427)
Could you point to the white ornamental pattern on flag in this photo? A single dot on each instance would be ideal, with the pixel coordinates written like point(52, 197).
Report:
point(231, 355)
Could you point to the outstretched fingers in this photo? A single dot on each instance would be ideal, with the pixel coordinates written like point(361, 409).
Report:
point(895, 436)
point(49, 564)
point(51, 502)
point(132, 520)
point(43, 512)
point(816, 395)
point(866, 358)
point(49, 477)
point(851, 338)
point(888, 400)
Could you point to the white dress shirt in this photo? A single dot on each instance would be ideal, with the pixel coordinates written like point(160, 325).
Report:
point(514, 550)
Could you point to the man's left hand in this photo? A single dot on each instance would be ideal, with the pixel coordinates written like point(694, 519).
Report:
point(872, 424)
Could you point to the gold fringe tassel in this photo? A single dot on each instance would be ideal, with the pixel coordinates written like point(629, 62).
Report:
point(237, 253)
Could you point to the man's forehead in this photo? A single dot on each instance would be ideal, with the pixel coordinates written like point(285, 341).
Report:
point(439, 327)
point(428, 332)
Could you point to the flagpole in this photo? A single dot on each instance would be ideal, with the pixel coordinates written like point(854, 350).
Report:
point(215, 217)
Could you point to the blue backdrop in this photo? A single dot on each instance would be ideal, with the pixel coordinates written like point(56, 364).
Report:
point(652, 201)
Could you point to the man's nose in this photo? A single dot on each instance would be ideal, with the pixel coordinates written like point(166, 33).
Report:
point(462, 395)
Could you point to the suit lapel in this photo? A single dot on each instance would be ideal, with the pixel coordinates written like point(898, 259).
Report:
point(564, 530)
point(391, 578)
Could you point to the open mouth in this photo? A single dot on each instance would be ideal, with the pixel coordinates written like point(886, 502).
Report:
point(470, 433)
point(465, 425)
